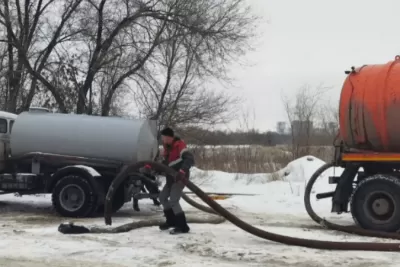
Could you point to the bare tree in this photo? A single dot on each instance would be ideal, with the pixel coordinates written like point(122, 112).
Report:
point(86, 54)
point(169, 61)
point(302, 114)
point(171, 86)
point(182, 100)
point(328, 123)
point(28, 24)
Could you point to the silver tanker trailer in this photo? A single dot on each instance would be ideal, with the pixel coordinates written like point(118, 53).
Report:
point(73, 157)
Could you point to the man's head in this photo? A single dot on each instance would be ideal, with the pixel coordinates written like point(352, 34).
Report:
point(167, 135)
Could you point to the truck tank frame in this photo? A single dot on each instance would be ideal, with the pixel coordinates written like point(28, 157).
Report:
point(368, 188)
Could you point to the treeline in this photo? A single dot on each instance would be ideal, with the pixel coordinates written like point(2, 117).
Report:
point(199, 136)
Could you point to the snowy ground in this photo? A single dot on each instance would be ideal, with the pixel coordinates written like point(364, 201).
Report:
point(29, 234)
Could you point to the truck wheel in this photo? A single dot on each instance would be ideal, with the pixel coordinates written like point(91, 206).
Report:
point(375, 203)
point(73, 196)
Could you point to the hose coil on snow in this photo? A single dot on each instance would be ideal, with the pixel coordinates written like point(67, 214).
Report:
point(310, 243)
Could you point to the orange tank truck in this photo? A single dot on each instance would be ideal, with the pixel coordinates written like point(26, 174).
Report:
point(369, 108)
point(369, 149)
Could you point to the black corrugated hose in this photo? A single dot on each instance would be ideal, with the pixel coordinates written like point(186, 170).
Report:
point(218, 209)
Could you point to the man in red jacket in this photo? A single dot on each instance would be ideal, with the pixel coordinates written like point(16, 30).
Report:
point(178, 157)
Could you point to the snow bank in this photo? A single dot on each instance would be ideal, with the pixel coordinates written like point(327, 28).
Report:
point(284, 195)
point(301, 169)
point(297, 171)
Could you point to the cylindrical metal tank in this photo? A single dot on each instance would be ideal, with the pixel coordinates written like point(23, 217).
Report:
point(369, 109)
point(108, 138)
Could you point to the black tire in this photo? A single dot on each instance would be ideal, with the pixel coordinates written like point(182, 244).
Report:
point(89, 197)
point(374, 193)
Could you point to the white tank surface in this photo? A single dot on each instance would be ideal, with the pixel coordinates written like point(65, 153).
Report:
point(109, 138)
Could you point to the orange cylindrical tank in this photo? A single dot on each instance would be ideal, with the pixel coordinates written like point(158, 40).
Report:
point(369, 109)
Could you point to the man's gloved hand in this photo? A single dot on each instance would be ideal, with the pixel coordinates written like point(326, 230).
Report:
point(181, 176)
point(145, 170)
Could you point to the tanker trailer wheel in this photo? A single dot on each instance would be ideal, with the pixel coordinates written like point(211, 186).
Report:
point(375, 203)
point(73, 196)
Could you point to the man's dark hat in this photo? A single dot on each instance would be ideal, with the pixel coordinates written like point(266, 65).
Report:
point(167, 132)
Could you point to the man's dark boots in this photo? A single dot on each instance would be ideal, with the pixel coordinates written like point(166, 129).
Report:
point(170, 220)
point(181, 226)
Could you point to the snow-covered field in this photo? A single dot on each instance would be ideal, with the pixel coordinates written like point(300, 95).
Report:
point(29, 235)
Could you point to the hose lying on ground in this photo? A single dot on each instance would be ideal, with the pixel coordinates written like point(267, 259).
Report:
point(318, 244)
point(70, 228)
point(332, 226)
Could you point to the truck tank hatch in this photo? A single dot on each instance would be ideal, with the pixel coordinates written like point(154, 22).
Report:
point(19, 182)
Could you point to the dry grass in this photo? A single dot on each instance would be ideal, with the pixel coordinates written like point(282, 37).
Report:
point(250, 159)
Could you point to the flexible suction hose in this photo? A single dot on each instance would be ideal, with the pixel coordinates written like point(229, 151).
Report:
point(317, 244)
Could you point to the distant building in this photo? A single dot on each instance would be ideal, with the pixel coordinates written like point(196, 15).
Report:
point(281, 127)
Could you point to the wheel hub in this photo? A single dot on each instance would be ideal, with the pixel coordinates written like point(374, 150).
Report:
point(379, 207)
point(72, 197)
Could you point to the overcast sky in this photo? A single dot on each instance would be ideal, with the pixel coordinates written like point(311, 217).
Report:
point(313, 41)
